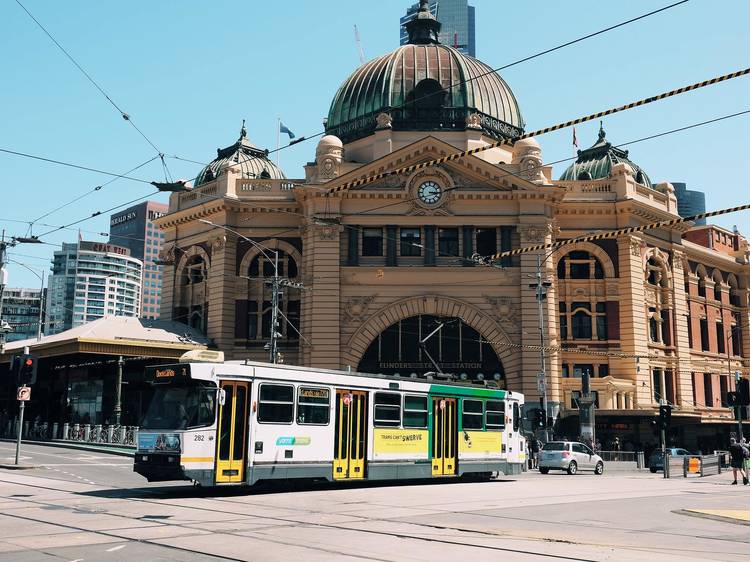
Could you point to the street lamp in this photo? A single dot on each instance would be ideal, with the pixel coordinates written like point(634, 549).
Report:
point(273, 347)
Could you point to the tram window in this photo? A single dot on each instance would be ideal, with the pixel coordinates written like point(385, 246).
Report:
point(473, 414)
point(387, 409)
point(494, 417)
point(313, 406)
point(516, 416)
point(276, 404)
point(415, 411)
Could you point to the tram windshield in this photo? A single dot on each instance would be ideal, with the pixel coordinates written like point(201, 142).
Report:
point(183, 406)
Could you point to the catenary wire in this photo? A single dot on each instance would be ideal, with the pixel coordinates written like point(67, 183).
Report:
point(481, 75)
point(563, 125)
point(122, 113)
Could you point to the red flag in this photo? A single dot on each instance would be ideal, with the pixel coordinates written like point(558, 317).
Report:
point(575, 138)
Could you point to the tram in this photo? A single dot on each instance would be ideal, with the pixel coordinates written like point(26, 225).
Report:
point(236, 423)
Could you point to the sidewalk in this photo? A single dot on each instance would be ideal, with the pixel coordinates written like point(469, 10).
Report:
point(93, 447)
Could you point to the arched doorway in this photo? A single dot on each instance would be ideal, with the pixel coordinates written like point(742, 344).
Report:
point(457, 348)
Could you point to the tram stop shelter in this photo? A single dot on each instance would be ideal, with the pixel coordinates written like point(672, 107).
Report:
point(77, 369)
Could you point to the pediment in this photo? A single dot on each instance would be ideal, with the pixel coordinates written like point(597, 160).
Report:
point(467, 172)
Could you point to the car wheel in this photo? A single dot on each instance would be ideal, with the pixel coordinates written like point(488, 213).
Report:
point(572, 467)
point(599, 468)
point(653, 470)
point(544, 470)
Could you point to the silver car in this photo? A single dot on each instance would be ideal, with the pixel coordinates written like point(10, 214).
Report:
point(570, 456)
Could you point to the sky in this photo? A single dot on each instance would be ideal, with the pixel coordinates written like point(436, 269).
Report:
point(189, 72)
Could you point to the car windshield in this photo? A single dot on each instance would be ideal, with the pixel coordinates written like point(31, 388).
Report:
point(181, 406)
point(555, 446)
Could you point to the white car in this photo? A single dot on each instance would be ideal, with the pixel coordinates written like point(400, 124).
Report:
point(570, 456)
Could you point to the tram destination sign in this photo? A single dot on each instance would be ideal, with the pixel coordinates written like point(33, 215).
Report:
point(167, 374)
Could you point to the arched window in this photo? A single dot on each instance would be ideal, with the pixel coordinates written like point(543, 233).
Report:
point(717, 279)
point(656, 273)
point(428, 94)
point(194, 271)
point(579, 265)
point(587, 321)
point(259, 307)
point(734, 295)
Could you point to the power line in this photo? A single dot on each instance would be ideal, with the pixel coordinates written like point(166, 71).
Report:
point(70, 165)
point(122, 113)
point(481, 75)
point(456, 155)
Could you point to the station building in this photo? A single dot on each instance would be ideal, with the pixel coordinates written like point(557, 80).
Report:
point(658, 316)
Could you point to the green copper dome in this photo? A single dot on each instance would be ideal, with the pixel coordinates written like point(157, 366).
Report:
point(424, 86)
point(596, 163)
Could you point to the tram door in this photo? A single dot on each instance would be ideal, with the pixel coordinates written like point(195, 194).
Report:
point(350, 435)
point(231, 444)
point(444, 436)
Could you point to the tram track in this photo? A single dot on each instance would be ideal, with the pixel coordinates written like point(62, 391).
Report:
point(262, 533)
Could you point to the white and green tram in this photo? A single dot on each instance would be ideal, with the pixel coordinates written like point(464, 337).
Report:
point(237, 423)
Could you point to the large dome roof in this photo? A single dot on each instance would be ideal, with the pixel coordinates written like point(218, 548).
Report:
point(424, 86)
point(252, 162)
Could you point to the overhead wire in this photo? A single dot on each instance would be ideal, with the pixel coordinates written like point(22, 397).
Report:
point(122, 113)
point(482, 74)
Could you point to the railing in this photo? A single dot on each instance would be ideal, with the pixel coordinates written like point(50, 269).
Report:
point(126, 436)
point(263, 186)
point(693, 465)
point(636, 458)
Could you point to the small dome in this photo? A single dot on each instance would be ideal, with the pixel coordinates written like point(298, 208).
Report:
point(596, 163)
point(526, 143)
point(252, 162)
point(331, 140)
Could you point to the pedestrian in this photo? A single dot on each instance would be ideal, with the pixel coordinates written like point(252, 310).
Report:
point(738, 455)
point(536, 446)
point(616, 448)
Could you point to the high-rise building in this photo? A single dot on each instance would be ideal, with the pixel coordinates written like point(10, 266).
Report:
point(91, 280)
point(458, 19)
point(689, 202)
point(134, 229)
point(21, 309)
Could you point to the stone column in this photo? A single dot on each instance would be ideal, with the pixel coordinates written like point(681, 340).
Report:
point(220, 287)
point(633, 325)
point(682, 367)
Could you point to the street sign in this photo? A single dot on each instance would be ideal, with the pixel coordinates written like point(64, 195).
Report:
point(24, 393)
point(540, 384)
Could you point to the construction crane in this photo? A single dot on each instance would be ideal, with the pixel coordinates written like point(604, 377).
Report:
point(359, 45)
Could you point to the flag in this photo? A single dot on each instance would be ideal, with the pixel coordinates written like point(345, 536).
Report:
point(575, 138)
point(80, 236)
point(284, 129)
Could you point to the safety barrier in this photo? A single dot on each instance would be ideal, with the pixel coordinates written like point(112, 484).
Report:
point(693, 465)
point(125, 436)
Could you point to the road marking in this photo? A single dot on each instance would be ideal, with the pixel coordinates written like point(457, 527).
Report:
point(77, 560)
point(116, 548)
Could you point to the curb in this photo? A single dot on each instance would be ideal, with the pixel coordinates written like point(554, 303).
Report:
point(110, 450)
point(17, 466)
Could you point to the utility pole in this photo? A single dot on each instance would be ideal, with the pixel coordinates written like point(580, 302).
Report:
point(118, 391)
point(274, 351)
point(541, 295)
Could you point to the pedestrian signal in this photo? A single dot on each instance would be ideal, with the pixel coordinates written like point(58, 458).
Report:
point(665, 416)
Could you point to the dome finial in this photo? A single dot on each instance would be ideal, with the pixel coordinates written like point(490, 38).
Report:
point(423, 28)
point(243, 131)
point(602, 134)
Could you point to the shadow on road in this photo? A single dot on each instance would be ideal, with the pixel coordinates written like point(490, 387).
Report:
point(268, 487)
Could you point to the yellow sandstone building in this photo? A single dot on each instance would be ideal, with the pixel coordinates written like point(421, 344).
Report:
point(658, 316)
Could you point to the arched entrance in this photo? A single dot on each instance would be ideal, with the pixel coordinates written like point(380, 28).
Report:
point(456, 348)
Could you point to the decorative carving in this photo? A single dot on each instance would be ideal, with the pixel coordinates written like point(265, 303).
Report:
point(383, 121)
point(167, 253)
point(460, 180)
point(636, 247)
point(534, 233)
point(327, 232)
point(677, 260)
point(474, 121)
point(218, 243)
point(328, 168)
point(436, 175)
point(505, 311)
point(355, 308)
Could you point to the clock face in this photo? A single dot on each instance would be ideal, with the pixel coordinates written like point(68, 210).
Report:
point(429, 192)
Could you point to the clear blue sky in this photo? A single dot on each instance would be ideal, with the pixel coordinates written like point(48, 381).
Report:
point(189, 72)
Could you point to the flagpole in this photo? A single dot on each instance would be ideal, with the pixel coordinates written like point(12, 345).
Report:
point(278, 139)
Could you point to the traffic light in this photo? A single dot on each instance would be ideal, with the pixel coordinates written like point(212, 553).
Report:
point(665, 416)
point(743, 392)
point(25, 368)
point(540, 419)
point(733, 399)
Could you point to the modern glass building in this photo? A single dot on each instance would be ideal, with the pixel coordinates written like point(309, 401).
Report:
point(458, 19)
point(21, 309)
point(689, 202)
point(91, 280)
point(134, 229)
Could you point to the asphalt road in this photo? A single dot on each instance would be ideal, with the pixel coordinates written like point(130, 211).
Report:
point(88, 506)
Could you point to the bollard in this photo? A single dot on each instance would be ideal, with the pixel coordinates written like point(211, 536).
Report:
point(86, 432)
point(98, 433)
point(55, 428)
point(110, 433)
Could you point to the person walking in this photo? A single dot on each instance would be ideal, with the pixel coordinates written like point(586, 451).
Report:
point(738, 454)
